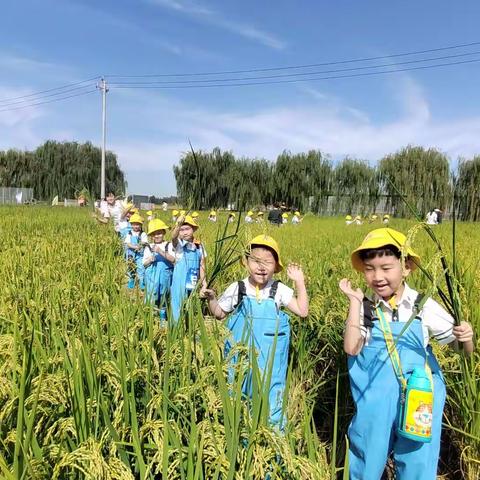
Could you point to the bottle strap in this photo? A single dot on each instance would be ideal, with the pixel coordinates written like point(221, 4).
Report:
point(391, 349)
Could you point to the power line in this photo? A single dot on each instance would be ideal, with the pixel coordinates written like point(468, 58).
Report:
point(290, 75)
point(19, 102)
point(338, 62)
point(47, 101)
point(332, 77)
point(49, 90)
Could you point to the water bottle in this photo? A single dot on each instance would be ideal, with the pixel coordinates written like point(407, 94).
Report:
point(416, 412)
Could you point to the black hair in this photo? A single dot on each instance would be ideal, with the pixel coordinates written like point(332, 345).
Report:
point(385, 251)
point(249, 249)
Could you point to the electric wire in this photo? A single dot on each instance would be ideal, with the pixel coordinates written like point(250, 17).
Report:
point(296, 80)
point(291, 67)
point(34, 94)
point(19, 102)
point(48, 101)
point(290, 75)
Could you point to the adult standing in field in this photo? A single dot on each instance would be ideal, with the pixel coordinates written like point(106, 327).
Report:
point(432, 218)
point(112, 210)
point(275, 215)
point(439, 215)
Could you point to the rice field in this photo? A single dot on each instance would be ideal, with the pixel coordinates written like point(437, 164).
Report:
point(93, 386)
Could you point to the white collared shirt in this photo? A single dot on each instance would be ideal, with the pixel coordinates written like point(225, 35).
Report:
point(436, 322)
point(229, 299)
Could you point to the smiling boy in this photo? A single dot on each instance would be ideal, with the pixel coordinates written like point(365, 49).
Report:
point(379, 374)
point(257, 319)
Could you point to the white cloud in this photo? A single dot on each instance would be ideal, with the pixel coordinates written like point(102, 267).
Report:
point(212, 17)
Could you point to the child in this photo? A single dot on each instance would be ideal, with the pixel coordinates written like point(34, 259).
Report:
point(284, 218)
point(378, 375)
point(255, 302)
point(124, 224)
point(174, 216)
point(386, 219)
point(213, 216)
point(135, 242)
point(296, 218)
point(348, 220)
point(158, 260)
point(189, 266)
point(260, 217)
point(150, 216)
point(249, 217)
point(231, 217)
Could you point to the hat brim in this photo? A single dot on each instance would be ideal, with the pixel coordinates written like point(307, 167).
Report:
point(358, 264)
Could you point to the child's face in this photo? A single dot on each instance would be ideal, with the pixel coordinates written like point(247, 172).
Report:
point(110, 198)
point(136, 227)
point(158, 236)
point(384, 275)
point(261, 265)
point(186, 232)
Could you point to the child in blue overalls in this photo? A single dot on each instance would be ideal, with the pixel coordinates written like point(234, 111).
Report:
point(135, 242)
point(257, 319)
point(377, 375)
point(189, 269)
point(158, 260)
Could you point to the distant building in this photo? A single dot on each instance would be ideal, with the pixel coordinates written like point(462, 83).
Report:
point(138, 199)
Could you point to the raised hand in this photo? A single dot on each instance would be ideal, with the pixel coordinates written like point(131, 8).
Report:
point(346, 287)
point(295, 272)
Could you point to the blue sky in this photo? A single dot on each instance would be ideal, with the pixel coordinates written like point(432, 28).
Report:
point(47, 43)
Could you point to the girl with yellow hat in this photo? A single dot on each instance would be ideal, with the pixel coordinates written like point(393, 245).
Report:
point(249, 217)
point(158, 260)
point(135, 242)
point(396, 382)
point(296, 218)
point(189, 269)
point(256, 319)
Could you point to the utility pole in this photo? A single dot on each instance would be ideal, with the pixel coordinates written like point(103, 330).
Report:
point(104, 89)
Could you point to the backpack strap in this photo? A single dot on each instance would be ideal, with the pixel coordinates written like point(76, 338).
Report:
point(369, 315)
point(418, 305)
point(242, 292)
point(273, 289)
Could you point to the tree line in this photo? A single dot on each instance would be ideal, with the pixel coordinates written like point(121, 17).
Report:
point(313, 182)
point(60, 168)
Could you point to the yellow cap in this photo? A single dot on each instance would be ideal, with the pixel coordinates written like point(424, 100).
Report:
point(374, 216)
point(149, 212)
point(381, 237)
point(175, 213)
point(189, 220)
point(285, 215)
point(386, 215)
point(297, 214)
point(155, 225)
point(231, 214)
point(182, 212)
point(249, 213)
point(213, 212)
point(195, 215)
point(127, 207)
point(136, 218)
point(259, 214)
point(269, 242)
point(348, 217)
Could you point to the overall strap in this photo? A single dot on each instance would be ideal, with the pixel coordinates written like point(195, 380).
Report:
point(418, 304)
point(242, 292)
point(273, 289)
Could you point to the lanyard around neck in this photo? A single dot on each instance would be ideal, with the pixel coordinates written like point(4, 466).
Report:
point(391, 348)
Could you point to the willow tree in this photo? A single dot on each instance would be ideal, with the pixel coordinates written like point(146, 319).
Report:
point(61, 169)
point(467, 189)
point(422, 176)
point(355, 186)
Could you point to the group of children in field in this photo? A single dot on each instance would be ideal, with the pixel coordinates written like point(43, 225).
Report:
point(358, 220)
point(386, 337)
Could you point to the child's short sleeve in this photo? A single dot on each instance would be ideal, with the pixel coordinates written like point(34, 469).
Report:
point(144, 237)
point(147, 255)
point(284, 295)
point(128, 239)
point(229, 298)
point(438, 322)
